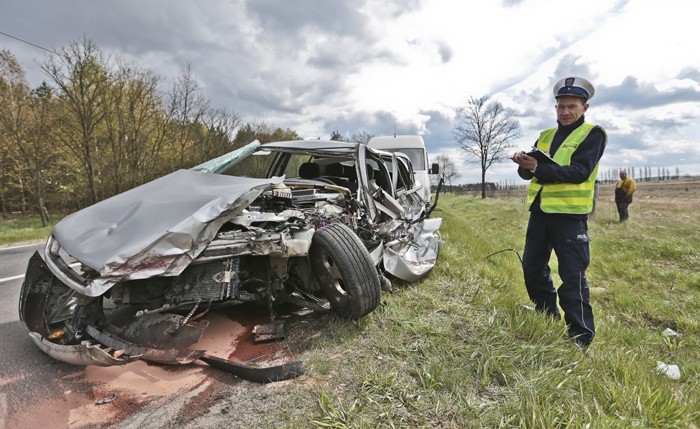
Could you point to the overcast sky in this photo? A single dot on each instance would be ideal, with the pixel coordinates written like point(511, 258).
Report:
point(321, 65)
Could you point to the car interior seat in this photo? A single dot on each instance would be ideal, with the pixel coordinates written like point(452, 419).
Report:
point(309, 170)
point(342, 175)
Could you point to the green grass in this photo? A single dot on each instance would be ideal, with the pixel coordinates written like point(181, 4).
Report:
point(23, 229)
point(460, 350)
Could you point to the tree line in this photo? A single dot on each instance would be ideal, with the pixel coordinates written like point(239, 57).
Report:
point(640, 174)
point(97, 127)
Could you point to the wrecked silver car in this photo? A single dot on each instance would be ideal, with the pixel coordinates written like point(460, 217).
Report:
point(320, 224)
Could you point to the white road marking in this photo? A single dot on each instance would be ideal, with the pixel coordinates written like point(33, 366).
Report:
point(9, 279)
point(19, 247)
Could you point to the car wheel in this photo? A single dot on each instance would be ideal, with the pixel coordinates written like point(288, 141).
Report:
point(345, 271)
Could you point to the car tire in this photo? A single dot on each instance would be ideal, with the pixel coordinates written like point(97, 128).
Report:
point(345, 271)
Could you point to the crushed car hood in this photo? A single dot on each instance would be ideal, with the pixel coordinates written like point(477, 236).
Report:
point(157, 228)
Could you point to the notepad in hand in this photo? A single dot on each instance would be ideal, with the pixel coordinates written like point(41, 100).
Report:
point(541, 156)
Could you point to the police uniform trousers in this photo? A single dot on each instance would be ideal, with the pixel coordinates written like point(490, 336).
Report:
point(568, 237)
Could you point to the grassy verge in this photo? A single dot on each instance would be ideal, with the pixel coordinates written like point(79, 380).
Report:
point(460, 350)
point(23, 229)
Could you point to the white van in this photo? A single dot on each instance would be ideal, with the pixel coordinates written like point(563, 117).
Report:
point(414, 148)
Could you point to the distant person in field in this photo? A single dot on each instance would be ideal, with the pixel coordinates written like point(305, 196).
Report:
point(623, 194)
point(559, 199)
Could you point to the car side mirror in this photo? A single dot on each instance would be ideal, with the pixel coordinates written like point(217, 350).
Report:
point(435, 169)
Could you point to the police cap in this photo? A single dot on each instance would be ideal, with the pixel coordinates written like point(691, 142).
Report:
point(575, 87)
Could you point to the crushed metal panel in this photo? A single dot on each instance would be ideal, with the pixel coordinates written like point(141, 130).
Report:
point(321, 147)
point(157, 228)
point(258, 243)
point(84, 353)
point(412, 203)
point(377, 254)
point(412, 260)
point(247, 218)
point(300, 243)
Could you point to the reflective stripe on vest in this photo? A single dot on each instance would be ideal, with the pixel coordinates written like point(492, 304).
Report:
point(574, 198)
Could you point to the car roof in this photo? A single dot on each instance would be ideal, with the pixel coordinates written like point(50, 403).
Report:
point(300, 145)
point(320, 147)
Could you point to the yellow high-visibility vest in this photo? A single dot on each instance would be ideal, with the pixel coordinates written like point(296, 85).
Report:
point(573, 198)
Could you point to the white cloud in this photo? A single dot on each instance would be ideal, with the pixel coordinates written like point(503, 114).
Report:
point(316, 66)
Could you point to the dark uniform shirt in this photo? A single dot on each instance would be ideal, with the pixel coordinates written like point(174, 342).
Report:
point(583, 160)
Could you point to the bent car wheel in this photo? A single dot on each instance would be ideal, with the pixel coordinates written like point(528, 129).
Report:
point(345, 271)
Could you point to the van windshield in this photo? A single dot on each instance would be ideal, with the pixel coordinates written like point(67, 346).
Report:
point(417, 156)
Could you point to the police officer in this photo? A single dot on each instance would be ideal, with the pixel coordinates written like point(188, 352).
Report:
point(559, 198)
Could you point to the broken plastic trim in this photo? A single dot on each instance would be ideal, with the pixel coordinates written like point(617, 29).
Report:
point(84, 353)
point(258, 375)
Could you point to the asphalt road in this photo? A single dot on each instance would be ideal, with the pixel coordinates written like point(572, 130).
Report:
point(24, 374)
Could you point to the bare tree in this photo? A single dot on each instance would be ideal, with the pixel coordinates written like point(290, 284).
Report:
point(361, 137)
point(485, 131)
point(27, 123)
point(13, 89)
point(37, 151)
point(448, 169)
point(336, 136)
point(80, 73)
point(135, 127)
point(217, 134)
point(187, 106)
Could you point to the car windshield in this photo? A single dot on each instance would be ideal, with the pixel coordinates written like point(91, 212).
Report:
point(256, 165)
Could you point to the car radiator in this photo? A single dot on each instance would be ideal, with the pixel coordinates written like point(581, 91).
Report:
point(211, 281)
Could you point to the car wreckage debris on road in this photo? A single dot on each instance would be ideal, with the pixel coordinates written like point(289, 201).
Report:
point(323, 225)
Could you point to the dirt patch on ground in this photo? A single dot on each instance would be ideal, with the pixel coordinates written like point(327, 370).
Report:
point(150, 395)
